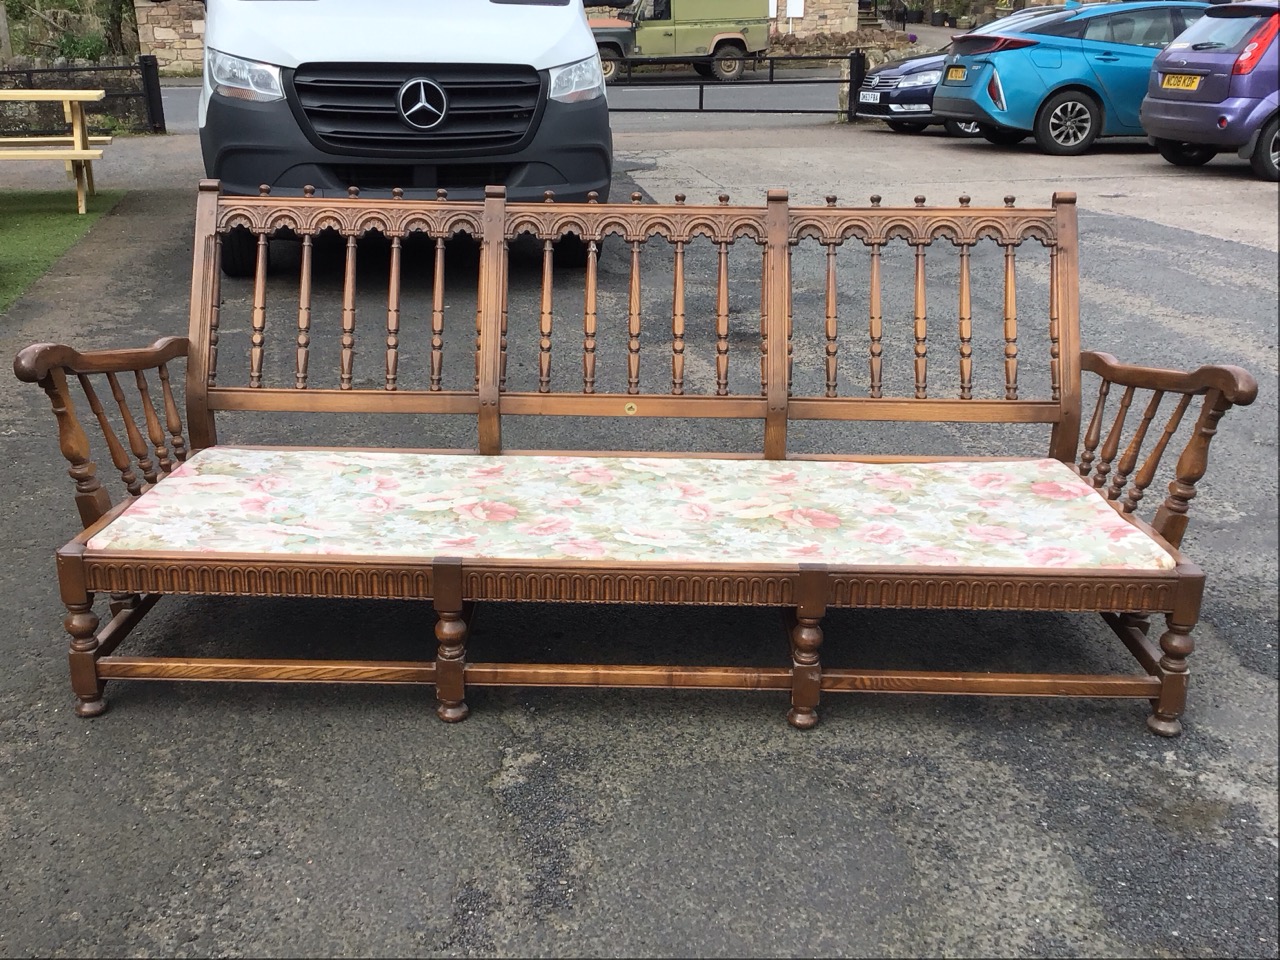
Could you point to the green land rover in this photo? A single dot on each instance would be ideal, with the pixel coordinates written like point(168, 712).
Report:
point(716, 36)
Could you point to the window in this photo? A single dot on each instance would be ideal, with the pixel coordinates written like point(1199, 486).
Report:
point(1067, 25)
point(1153, 27)
point(1228, 34)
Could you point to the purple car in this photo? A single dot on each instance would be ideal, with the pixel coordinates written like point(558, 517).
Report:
point(1215, 89)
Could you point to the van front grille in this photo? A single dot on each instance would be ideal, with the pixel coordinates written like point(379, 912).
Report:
point(354, 108)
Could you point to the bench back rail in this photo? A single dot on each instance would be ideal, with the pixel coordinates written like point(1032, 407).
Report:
point(942, 385)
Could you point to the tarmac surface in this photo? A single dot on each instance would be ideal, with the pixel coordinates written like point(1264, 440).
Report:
point(263, 820)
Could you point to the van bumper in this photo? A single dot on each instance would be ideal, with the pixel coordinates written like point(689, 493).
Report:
point(246, 145)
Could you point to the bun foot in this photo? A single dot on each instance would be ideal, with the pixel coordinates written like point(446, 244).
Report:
point(91, 708)
point(1163, 727)
point(802, 718)
point(452, 712)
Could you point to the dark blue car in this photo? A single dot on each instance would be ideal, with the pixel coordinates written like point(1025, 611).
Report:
point(900, 92)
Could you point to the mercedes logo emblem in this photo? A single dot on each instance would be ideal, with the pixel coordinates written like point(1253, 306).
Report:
point(422, 103)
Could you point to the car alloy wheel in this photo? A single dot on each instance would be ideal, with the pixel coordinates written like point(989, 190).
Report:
point(1266, 155)
point(1068, 124)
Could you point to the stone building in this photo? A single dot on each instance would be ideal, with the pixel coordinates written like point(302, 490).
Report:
point(173, 30)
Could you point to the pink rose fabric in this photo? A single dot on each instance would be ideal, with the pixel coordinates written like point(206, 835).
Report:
point(1021, 514)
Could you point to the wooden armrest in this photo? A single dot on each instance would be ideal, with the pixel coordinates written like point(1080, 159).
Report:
point(33, 363)
point(1236, 384)
point(1115, 456)
point(149, 448)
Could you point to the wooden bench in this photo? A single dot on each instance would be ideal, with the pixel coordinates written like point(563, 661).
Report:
point(76, 148)
point(737, 321)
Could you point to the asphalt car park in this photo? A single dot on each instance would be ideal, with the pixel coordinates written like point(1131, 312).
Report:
point(224, 820)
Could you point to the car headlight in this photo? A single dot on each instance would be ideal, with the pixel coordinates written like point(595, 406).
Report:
point(929, 78)
point(577, 81)
point(242, 79)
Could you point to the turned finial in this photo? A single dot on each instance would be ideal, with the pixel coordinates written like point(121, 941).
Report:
point(723, 198)
point(1008, 201)
point(309, 191)
point(442, 193)
point(919, 201)
point(636, 197)
point(548, 196)
point(831, 199)
point(964, 200)
point(264, 189)
point(875, 199)
point(353, 193)
point(679, 198)
point(593, 196)
point(397, 193)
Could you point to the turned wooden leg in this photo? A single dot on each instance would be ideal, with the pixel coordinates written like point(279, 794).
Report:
point(1177, 645)
point(451, 632)
point(806, 639)
point(82, 623)
point(806, 673)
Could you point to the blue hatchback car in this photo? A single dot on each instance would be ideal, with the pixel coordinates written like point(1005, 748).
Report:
point(1065, 79)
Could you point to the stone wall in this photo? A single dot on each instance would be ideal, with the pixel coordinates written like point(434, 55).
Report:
point(174, 32)
point(123, 109)
point(820, 16)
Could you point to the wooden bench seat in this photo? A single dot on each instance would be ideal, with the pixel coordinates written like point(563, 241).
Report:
point(64, 140)
point(49, 153)
point(767, 527)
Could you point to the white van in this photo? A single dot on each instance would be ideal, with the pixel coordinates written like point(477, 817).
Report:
point(416, 94)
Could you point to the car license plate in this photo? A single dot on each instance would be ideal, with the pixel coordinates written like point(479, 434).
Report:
point(865, 96)
point(955, 73)
point(1180, 81)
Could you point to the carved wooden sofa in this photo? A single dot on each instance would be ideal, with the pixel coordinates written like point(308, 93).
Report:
point(759, 321)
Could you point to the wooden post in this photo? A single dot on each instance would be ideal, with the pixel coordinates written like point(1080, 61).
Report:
point(776, 294)
point(493, 255)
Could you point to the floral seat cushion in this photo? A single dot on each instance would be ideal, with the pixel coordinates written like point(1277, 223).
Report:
point(1035, 514)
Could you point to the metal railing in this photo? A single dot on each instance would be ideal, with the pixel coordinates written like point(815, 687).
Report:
point(856, 59)
point(132, 91)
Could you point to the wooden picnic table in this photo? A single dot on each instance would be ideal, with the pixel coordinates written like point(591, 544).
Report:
point(76, 148)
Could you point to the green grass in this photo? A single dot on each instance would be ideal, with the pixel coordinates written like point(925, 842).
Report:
point(36, 228)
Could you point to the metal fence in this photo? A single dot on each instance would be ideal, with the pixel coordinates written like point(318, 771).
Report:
point(132, 102)
point(765, 74)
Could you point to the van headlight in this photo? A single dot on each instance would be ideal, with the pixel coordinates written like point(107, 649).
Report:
point(578, 81)
point(242, 79)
